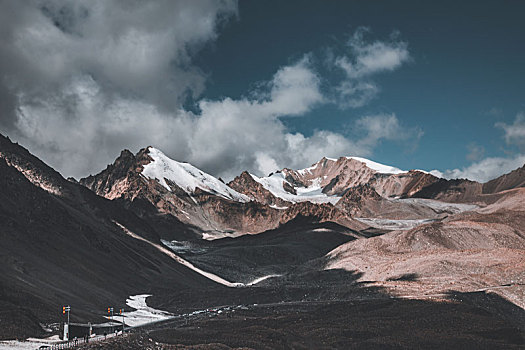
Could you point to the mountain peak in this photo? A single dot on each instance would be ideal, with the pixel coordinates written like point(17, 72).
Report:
point(186, 176)
point(330, 162)
point(378, 167)
point(126, 153)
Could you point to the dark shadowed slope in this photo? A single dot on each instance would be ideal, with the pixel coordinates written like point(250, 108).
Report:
point(62, 246)
point(273, 252)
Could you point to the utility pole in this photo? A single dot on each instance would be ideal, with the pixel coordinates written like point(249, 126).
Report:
point(64, 310)
point(110, 312)
point(123, 324)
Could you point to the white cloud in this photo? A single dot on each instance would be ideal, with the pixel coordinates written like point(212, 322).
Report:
point(375, 128)
point(226, 137)
point(486, 169)
point(265, 164)
point(515, 132)
point(234, 135)
point(80, 129)
point(489, 168)
point(229, 136)
point(365, 60)
point(475, 152)
point(90, 78)
point(81, 122)
point(131, 48)
point(294, 90)
point(356, 94)
point(371, 58)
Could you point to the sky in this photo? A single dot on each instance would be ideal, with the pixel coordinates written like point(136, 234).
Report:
point(261, 85)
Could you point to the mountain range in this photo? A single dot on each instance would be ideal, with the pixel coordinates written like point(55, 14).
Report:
point(150, 224)
point(345, 190)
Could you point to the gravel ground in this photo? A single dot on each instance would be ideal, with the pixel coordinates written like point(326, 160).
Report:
point(374, 324)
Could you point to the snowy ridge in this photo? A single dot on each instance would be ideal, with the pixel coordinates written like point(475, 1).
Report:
point(378, 167)
point(314, 166)
point(187, 177)
point(312, 193)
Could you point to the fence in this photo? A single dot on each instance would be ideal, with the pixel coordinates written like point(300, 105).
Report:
point(79, 341)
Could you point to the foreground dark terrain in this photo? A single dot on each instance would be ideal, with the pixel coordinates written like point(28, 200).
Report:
point(373, 324)
point(343, 325)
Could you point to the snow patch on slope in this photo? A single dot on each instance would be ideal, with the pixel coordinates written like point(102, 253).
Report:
point(439, 206)
point(260, 279)
point(30, 343)
point(393, 224)
point(143, 314)
point(187, 177)
point(377, 167)
point(312, 193)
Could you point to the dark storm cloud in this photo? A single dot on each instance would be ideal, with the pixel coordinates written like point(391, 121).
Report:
point(133, 47)
point(56, 55)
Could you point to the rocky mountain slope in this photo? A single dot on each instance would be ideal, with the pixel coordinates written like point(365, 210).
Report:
point(202, 203)
point(328, 179)
point(462, 190)
point(514, 179)
point(483, 248)
point(339, 190)
point(64, 245)
point(198, 199)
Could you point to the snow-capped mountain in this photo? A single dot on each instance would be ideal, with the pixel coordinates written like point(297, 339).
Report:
point(336, 175)
point(336, 190)
point(150, 182)
point(186, 176)
point(292, 186)
point(327, 180)
point(278, 185)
